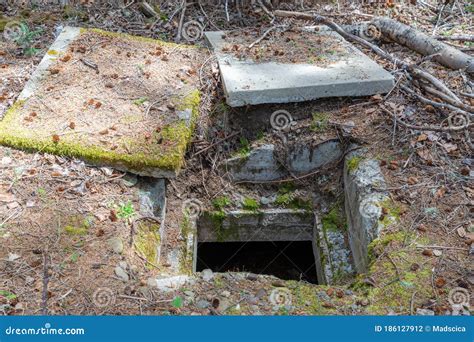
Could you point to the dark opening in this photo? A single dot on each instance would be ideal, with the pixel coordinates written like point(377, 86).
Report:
point(288, 260)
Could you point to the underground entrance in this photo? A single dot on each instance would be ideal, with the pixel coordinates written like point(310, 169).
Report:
point(287, 260)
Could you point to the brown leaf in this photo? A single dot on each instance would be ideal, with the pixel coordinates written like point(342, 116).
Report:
point(422, 137)
point(55, 138)
point(422, 228)
point(412, 180)
point(440, 282)
point(440, 193)
point(66, 58)
point(330, 292)
point(113, 216)
point(427, 252)
point(72, 125)
point(7, 198)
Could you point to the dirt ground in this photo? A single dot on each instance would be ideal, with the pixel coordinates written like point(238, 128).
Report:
point(57, 215)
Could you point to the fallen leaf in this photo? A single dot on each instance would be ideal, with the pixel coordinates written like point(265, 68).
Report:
point(427, 252)
point(440, 193)
point(422, 137)
point(7, 198)
point(55, 138)
point(450, 147)
point(461, 232)
point(440, 282)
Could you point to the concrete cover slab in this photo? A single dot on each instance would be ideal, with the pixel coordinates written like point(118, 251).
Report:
point(110, 99)
point(249, 83)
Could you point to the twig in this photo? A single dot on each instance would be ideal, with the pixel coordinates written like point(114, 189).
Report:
point(464, 38)
point(44, 296)
point(443, 247)
point(90, 64)
point(181, 21)
point(425, 128)
point(266, 33)
point(216, 143)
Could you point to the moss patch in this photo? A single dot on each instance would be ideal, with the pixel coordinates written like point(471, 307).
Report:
point(353, 163)
point(334, 220)
point(77, 225)
point(250, 204)
point(143, 155)
point(396, 265)
point(147, 240)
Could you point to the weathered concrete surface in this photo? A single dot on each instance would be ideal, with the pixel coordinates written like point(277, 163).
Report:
point(249, 83)
point(303, 159)
point(262, 165)
point(92, 134)
point(332, 255)
point(152, 196)
point(363, 204)
point(261, 225)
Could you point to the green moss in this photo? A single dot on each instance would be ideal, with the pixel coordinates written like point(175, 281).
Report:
point(221, 202)
point(391, 214)
point(176, 137)
point(353, 163)
point(320, 122)
point(334, 220)
point(147, 240)
point(77, 225)
point(250, 204)
point(244, 149)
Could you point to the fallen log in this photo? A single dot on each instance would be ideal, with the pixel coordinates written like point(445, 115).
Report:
point(442, 53)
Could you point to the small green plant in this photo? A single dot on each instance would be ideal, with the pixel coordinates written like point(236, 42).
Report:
point(221, 202)
point(320, 122)
point(250, 204)
point(177, 302)
point(140, 101)
point(26, 38)
point(244, 149)
point(353, 163)
point(7, 295)
point(74, 257)
point(126, 210)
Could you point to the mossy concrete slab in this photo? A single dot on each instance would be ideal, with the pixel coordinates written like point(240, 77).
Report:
point(112, 100)
point(247, 82)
